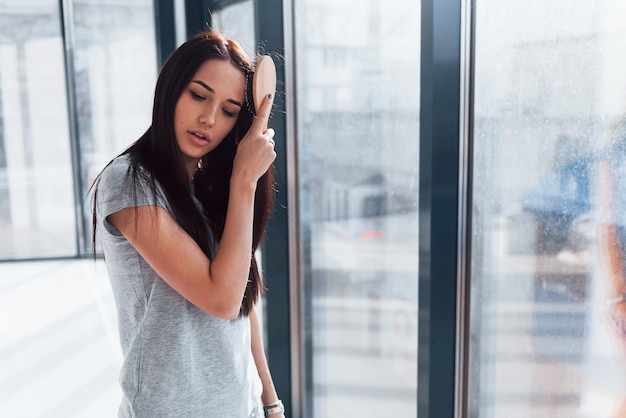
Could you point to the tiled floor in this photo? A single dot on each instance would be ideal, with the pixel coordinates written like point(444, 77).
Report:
point(59, 349)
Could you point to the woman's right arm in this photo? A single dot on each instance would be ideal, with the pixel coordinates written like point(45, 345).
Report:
point(217, 287)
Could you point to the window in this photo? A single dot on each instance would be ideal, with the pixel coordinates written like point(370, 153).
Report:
point(237, 21)
point(37, 215)
point(112, 73)
point(115, 70)
point(548, 135)
point(358, 201)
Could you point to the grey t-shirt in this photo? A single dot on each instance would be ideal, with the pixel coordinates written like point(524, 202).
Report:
point(178, 360)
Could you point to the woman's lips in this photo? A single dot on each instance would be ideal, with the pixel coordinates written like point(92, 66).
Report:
point(201, 138)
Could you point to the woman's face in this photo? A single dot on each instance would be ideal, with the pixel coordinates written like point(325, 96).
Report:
point(208, 109)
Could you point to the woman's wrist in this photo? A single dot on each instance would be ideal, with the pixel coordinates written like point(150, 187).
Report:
point(268, 394)
point(273, 408)
point(269, 399)
point(240, 184)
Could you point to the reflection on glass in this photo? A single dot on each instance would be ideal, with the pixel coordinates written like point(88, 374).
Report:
point(548, 213)
point(115, 72)
point(358, 95)
point(36, 200)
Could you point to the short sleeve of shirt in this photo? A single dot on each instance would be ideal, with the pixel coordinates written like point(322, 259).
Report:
point(117, 189)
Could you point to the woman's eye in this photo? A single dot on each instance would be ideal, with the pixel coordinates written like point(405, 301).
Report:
point(195, 95)
point(229, 113)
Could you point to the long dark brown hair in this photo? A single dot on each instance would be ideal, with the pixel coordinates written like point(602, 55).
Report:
point(157, 154)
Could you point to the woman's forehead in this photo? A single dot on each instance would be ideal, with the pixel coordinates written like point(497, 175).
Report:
point(222, 76)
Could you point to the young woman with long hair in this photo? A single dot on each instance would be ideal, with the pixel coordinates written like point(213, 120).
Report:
point(179, 215)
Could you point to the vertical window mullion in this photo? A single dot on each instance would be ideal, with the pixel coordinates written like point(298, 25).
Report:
point(165, 29)
point(276, 263)
point(67, 34)
point(439, 188)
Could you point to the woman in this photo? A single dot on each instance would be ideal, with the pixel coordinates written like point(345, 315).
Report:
point(179, 215)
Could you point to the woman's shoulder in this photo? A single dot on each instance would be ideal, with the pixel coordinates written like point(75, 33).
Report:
point(117, 167)
point(120, 169)
point(121, 163)
point(129, 184)
point(115, 178)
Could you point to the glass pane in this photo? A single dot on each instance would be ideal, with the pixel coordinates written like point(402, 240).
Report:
point(237, 22)
point(548, 215)
point(37, 216)
point(115, 73)
point(358, 140)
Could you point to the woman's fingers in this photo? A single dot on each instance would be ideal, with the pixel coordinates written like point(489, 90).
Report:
point(263, 115)
point(269, 135)
point(255, 152)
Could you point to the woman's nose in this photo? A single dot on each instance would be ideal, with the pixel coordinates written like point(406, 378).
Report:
point(208, 117)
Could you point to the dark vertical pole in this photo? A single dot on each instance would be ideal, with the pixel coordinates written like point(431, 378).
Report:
point(270, 35)
point(197, 16)
point(165, 29)
point(438, 220)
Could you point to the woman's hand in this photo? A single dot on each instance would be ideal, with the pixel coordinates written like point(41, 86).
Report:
point(255, 152)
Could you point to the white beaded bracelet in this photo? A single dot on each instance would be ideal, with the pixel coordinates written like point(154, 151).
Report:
point(275, 408)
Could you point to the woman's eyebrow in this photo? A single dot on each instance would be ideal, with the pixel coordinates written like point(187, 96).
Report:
point(203, 84)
